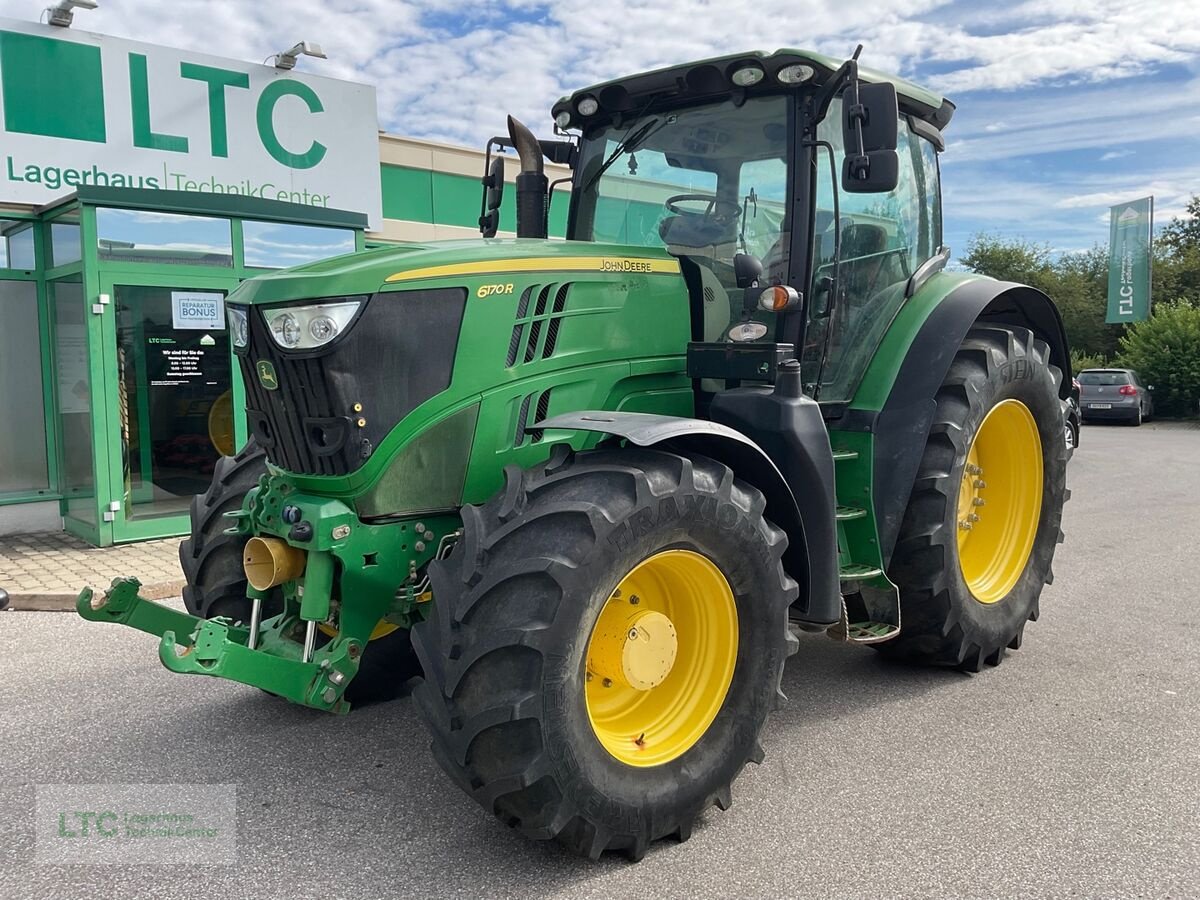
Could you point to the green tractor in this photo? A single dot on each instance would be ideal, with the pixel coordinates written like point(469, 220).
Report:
point(592, 489)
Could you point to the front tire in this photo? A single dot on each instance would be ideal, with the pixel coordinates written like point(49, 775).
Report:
point(216, 580)
point(969, 576)
point(527, 635)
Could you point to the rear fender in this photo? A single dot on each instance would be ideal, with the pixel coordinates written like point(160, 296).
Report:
point(748, 461)
point(911, 380)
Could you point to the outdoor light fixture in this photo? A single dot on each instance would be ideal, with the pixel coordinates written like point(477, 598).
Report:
point(287, 59)
point(795, 74)
point(747, 76)
point(587, 105)
point(62, 13)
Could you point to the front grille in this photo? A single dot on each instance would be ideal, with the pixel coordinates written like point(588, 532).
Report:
point(332, 407)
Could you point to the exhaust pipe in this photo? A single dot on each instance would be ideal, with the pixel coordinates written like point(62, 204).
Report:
point(532, 184)
point(269, 561)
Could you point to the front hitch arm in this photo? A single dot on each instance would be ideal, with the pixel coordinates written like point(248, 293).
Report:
point(193, 646)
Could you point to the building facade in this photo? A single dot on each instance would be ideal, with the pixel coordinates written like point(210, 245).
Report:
point(140, 186)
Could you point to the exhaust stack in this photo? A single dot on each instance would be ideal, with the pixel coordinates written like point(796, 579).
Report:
point(532, 184)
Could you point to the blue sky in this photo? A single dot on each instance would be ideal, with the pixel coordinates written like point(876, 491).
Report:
point(1064, 106)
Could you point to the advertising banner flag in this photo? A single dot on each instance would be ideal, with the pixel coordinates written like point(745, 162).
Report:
point(1129, 261)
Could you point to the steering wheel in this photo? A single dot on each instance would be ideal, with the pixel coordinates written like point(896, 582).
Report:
point(719, 212)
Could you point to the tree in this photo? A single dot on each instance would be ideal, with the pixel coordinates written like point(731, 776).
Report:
point(1181, 235)
point(1165, 351)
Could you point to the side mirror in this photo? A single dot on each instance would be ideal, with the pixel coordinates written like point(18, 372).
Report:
point(871, 124)
point(493, 183)
point(747, 269)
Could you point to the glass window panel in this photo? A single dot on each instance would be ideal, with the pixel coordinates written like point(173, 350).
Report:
point(884, 238)
point(145, 236)
point(23, 435)
point(74, 397)
point(64, 240)
point(277, 245)
point(18, 245)
point(175, 400)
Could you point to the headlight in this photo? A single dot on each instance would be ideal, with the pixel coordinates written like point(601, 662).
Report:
point(306, 327)
point(239, 325)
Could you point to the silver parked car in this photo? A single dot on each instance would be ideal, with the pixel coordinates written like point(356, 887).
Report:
point(1114, 394)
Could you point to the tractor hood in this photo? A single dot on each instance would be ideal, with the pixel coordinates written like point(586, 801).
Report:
point(340, 351)
point(458, 262)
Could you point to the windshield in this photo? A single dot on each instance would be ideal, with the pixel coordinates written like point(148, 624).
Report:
point(706, 183)
point(728, 157)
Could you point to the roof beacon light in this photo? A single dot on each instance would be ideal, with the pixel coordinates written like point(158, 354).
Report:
point(795, 74)
point(287, 59)
point(747, 76)
point(62, 13)
point(588, 106)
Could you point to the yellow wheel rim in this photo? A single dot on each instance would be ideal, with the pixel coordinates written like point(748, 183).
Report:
point(660, 658)
point(999, 501)
point(220, 425)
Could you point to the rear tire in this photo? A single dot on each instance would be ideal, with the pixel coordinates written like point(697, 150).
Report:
point(942, 621)
point(216, 581)
point(507, 644)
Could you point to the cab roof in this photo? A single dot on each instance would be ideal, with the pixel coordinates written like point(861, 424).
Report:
point(711, 78)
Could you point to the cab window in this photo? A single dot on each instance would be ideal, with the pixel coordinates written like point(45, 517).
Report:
point(884, 238)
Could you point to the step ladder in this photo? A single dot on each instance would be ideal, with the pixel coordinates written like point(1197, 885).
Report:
point(870, 602)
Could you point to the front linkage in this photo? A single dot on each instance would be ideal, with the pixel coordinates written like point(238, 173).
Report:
point(349, 578)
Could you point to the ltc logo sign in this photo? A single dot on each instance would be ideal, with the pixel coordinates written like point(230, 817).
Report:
point(80, 109)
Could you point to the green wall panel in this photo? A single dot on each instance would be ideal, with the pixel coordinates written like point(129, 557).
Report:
point(407, 194)
point(440, 198)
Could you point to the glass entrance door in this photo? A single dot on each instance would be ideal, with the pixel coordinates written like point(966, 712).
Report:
point(174, 404)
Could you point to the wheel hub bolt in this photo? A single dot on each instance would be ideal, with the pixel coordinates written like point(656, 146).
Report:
point(607, 682)
point(978, 501)
point(973, 517)
point(634, 599)
point(964, 525)
point(633, 634)
point(980, 483)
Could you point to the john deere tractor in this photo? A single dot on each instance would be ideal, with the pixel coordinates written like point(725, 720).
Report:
point(591, 490)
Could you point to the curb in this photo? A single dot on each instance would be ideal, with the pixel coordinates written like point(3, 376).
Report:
point(62, 602)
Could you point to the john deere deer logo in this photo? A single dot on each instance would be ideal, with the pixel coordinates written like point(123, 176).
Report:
point(266, 375)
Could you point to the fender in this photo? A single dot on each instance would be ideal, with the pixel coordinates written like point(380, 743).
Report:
point(820, 598)
point(901, 424)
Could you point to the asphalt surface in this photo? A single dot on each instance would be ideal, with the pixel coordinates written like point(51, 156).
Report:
point(1072, 770)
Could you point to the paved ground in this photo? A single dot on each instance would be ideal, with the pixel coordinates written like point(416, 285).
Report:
point(47, 570)
point(1070, 771)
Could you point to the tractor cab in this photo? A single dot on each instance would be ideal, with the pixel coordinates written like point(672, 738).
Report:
point(800, 195)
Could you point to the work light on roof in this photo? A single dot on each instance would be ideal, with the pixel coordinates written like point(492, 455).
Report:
point(748, 75)
point(287, 59)
point(798, 73)
point(563, 119)
point(587, 105)
point(62, 13)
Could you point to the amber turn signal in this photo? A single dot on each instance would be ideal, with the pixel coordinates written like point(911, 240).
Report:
point(778, 298)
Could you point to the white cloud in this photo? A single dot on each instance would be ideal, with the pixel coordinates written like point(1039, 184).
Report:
point(1115, 154)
